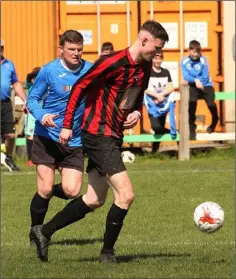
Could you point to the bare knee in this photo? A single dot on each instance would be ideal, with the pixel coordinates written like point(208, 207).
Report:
point(124, 199)
point(45, 191)
point(93, 201)
point(71, 191)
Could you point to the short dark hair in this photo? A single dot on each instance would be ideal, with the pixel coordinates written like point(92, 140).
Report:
point(159, 53)
point(194, 45)
point(156, 29)
point(71, 36)
point(107, 46)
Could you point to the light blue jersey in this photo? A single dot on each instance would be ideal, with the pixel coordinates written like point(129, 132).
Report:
point(8, 77)
point(199, 69)
point(49, 95)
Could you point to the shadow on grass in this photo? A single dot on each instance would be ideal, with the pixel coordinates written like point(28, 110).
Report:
point(130, 258)
point(76, 241)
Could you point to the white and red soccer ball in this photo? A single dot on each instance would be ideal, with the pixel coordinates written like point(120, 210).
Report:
point(209, 217)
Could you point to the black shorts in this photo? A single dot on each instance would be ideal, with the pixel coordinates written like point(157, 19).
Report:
point(7, 118)
point(104, 154)
point(49, 152)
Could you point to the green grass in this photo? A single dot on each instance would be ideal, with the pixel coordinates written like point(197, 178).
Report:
point(158, 240)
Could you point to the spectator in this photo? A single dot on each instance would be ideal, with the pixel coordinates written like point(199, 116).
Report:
point(8, 79)
point(195, 71)
point(107, 48)
point(29, 119)
point(158, 100)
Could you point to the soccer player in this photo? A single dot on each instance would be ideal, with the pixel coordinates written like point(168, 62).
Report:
point(114, 89)
point(47, 102)
point(107, 48)
point(195, 71)
point(157, 99)
point(8, 79)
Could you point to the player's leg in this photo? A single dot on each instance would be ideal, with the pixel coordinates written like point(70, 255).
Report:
point(97, 189)
point(193, 97)
point(123, 198)
point(40, 202)
point(209, 96)
point(71, 168)
point(109, 162)
point(45, 162)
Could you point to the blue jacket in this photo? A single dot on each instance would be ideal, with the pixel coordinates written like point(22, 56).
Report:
point(199, 69)
point(157, 110)
point(49, 95)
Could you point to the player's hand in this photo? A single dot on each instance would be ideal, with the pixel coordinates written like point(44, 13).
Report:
point(184, 82)
point(47, 120)
point(131, 120)
point(65, 136)
point(160, 97)
point(198, 84)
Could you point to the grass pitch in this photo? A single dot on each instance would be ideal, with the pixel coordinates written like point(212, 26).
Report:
point(159, 238)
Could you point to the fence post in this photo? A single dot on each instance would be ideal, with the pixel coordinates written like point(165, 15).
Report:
point(184, 124)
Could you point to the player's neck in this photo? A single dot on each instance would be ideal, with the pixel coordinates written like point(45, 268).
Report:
point(70, 67)
point(134, 53)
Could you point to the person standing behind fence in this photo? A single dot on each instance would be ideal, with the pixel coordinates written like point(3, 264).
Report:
point(29, 119)
point(195, 71)
point(8, 79)
point(156, 98)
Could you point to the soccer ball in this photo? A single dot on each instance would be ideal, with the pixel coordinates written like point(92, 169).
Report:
point(128, 157)
point(209, 217)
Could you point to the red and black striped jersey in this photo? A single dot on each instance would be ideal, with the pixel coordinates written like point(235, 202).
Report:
point(113, 87)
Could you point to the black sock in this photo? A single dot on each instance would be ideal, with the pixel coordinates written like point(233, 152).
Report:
point(58, 192)
point(114, 223)
point(38, 209)
point(72, 212)
point(29, 144)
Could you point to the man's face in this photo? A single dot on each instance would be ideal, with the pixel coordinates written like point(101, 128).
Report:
point(106, 52)
point(157, 60)
point(72, 52)
point(150, 46)
point(194, 54)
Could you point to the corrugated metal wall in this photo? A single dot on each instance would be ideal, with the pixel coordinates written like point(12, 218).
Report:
point(29, 31)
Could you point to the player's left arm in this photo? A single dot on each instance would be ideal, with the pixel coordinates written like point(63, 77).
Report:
point(17, 85)
point(205, 70)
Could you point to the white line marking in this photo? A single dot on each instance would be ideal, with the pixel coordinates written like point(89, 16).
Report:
point(154, 243)
point(137, 171)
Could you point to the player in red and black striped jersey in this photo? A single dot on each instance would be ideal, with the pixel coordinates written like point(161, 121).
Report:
point(114, 88)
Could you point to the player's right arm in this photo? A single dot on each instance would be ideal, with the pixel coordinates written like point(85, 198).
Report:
point(36, 93)
point(35, 97)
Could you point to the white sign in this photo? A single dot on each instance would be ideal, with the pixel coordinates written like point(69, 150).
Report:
point(196, 31)
point(94, 2)
point(114, 28)
point(172, 30)
point(87, 35)
point(173, 67)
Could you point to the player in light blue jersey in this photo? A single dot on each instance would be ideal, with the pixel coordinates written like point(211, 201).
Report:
point(47, 102)
point(195, 71)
